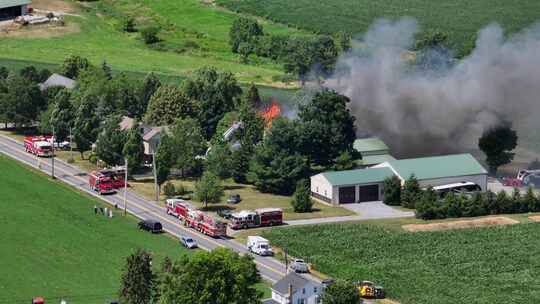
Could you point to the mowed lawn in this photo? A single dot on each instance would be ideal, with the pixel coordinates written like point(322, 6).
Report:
point(251, 199)
point(489, 265)
point(197, 34)
point(53, 245)
point(460, 18)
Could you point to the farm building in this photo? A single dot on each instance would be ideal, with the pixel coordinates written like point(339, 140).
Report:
point(10, 9)
point(373, 151)
point(363, 185)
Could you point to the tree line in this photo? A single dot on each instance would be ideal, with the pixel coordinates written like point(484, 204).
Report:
point(194, 116)
point(431, 205)
point(300, 54)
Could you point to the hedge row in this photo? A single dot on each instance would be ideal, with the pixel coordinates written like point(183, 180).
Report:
point(430, 206)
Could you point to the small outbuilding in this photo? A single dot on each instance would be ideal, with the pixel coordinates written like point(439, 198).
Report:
point(10, 9)
point(364, 185)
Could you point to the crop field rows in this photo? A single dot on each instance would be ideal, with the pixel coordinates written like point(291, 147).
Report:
point(488, 265)
point(461, 19)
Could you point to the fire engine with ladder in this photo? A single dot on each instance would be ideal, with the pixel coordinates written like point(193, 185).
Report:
point(195, 219)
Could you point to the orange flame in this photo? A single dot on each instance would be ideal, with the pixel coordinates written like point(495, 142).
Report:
point(271, 112)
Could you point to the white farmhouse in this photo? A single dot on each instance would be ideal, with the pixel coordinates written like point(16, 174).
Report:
point(295, 289)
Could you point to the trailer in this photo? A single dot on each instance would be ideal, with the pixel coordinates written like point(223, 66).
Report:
point(258, 218)
point(38, 145)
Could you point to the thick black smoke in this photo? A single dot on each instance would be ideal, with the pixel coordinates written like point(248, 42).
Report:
point(443, 109)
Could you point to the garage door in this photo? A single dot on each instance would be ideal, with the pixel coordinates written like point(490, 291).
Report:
point(369, 193)
point(347, 195)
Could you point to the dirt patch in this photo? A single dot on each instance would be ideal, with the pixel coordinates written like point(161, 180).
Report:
point(54, 5)
point(534, 218)
point(38, 31)
point(482, 222)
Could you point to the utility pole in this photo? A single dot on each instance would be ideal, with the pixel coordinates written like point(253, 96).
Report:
point(286, 261)
point(155, 174)
point(52, 159)
point(125, 185)
point(70, 144)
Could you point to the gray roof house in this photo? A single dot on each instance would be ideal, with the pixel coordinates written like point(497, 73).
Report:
point(57, 80)
point(295, 288)
point(151, 135)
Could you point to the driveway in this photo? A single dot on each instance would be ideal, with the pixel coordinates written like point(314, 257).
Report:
point(366, 211)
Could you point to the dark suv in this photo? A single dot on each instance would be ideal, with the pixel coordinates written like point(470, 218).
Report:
point(150, 225)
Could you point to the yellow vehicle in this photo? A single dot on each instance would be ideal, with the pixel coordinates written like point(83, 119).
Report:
point(367, 289)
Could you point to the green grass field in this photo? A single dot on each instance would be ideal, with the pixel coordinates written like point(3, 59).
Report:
point(489, 265)
point(195, 34)
point(460, 18)
point(54, 246)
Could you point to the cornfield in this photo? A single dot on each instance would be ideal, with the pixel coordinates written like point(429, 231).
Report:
point(489, 265)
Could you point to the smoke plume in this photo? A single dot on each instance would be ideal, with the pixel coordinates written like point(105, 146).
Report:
point(445, 108)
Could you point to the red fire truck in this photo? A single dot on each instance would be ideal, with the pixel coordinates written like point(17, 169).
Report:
point(258, 218)
point(195, 219)
point(116, 175)
point(178, 208)
point(101, 183)
point(205, 224)
point(38, 145)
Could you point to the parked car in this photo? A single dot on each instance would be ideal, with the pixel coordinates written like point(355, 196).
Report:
point(327, 282)
point(150, 225)
point(225, 213)
point(298, 265)
point(188, 242)
point(234, 199)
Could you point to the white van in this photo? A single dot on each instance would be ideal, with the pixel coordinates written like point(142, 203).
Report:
point(259, 245)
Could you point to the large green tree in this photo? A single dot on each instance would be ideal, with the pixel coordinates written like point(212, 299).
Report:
point(137, 283)
point(341, 292)
point(220, 276)
point(219, 161)
point(110, 142)
point(244, 31)
point(497, 143)
point(62, 115)
point(127, 96)
point(392, 191)
point(133, 150)
point(72, 66)
point(189, 143)
point(301, 201)
point(21, 102)
point(411, 192)
point(167, 104)
point(215, 93)
point(86, 125)
point(150, 85)
point(164, 159)
point(209, 189)
point(276, 171)
point(326, 127)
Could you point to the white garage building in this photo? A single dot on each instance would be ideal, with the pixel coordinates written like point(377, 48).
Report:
point(363, 185)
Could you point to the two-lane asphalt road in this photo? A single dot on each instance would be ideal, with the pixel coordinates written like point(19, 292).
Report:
point(270, 268)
